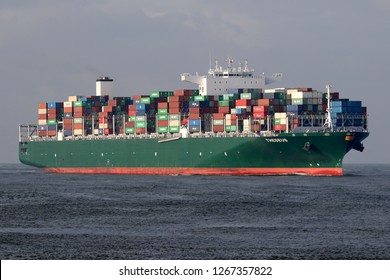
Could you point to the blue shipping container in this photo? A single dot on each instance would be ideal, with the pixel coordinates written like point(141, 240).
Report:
point(194, 122)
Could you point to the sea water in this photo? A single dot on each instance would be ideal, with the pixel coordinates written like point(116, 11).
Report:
point(55, 216)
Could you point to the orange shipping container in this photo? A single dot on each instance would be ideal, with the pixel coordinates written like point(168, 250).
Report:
point(42, 117)
point(162, 105)
point(265, 102)
point(68, 110)
point(78, 126)
point(42, 106)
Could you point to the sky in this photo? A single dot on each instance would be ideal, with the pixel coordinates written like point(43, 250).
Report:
point(51, 49)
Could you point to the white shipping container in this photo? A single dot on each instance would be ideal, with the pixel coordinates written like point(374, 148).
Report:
point(73, 98)
point(291, 90)
point(42, 122)
point(297, 94)
point(42, 111)
point(270, 90)
point(283, 120)
point(78, 132)
point(68, 104)
point(78, 120)
point(174, 123)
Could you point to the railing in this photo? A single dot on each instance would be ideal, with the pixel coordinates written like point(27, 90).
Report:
point(245, 127)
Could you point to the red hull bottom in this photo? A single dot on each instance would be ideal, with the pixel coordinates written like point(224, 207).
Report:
point(199, 171)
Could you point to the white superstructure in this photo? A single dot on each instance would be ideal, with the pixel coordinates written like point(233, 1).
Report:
point(219, 80)
point(104, 86)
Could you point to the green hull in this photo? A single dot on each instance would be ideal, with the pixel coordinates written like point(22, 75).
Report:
point(311, 153)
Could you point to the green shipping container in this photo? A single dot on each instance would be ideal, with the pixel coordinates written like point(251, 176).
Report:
point(140, 118)
point(162, 117)
point(78, 120)
point(79, 103)
point(174, 129)
point(52, 121)
point(162, 129)
point(245, 96)
point(277, 121)
point(200, 98)
point(130, 130)
point(140, 124)
point(297, 101)
point(233, 128)
point(224, 103)
point(131, 118)
point(174, 117)
point(154, 94)
point(145, 100)
point(162, 111)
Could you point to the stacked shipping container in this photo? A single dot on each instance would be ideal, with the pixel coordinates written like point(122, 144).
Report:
point(166, 111)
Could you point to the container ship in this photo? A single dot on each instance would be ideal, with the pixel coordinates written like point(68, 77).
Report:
point(231, 124)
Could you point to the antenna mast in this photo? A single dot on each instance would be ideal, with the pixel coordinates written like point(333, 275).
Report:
point(328, 123)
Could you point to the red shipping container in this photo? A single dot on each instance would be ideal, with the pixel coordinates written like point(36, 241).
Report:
point(95, 109)
point(183, 92)
point(218, 116)
point(256, 127)
point(194, 117)
point(194, 110)
point(107, 131)
point(305, 89)
point(42, 117)
point(51, 133)
point(68, 127)
point(78, 115)
point(260, 109)
point(107, 109)
point(218, 128)
point(52, 116)
point(175, 105)
point(42, 133)
point(279, 127)
point(174, 110)
point(132, 107)
point(162, 123)
point(130, 124)
point(79, 109)
point(132, 113)
point(140, 130)
point(260, 115)
point(224, 109)
point(52, 111)
point(243, 102)
point(175, 99)
point(42, 106)
point(112, 102)
point(162, 105)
